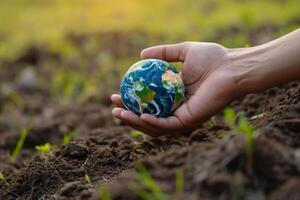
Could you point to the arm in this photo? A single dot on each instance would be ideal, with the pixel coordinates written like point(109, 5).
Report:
point(268, 65)
point(214, 76)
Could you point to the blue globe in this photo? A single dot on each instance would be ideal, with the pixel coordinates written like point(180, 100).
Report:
point(152, 86)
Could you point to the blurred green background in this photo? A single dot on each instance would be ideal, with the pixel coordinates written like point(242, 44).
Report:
point(76, 51)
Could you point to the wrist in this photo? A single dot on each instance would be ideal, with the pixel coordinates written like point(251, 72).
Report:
point(256, 68)
point(268, 65)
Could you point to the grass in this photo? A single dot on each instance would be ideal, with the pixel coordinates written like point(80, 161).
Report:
point(108, 36)
point(20, 144)
point(193, 20)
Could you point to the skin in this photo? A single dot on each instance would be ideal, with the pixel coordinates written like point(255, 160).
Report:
point(214, 76)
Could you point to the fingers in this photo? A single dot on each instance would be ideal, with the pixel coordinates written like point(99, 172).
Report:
point(172, 52)
point(134, 121)
point(147, 123)
point(116, 99)
point(171, 123)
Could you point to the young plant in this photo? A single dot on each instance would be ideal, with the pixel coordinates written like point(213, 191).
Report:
point(179, 182)
point(2, 178)
point(44, 150)
point(20, 144)
point(67, 85)
point(87, 179)
point(137, 144)
point(249, 133)
point(17, 99)
point(229, 118)
point(150, 189)
point(135, 133)
point(69, 137)
point(212, 122)
point(104, 194)
point(243, 127)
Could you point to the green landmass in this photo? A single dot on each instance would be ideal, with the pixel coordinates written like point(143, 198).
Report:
point(144, 93)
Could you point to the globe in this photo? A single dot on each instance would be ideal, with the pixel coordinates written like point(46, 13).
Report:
point(152, 86)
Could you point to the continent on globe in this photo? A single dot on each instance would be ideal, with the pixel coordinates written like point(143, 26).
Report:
point(152, 86)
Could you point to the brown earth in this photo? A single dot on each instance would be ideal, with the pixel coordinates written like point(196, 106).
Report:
point(213, 158)
point(213, 167)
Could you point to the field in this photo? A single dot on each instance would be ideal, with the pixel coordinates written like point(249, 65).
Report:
point(61, 61)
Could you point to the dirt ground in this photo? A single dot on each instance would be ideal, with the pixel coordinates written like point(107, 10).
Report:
point(213, 166)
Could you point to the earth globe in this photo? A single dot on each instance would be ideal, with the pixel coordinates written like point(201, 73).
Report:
point(152, 86)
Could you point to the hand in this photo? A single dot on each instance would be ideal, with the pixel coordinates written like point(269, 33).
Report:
point(214, 76)
point(210, 84)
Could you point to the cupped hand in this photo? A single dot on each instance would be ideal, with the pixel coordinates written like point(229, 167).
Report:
point(210, 84)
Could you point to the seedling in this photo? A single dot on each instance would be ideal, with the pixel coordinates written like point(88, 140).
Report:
point(246, 128)
point(104, 194)
point(44, 150)
point(69, 137)
point(13, 96)
point(212, 122)
point(151, 190)
point(179, 182)
point(243, 127)
point(136, 143)
point(135, 133)
point(87, 179)
point(20, 144)
point(2, 178)
point(229, 117)
point(68, 85)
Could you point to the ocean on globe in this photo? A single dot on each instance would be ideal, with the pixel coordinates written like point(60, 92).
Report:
point(152, 86)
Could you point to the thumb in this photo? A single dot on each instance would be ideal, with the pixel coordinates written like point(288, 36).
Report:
point(171, 52)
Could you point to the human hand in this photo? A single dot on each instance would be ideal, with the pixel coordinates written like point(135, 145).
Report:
point(214, 76)
point(210, 84)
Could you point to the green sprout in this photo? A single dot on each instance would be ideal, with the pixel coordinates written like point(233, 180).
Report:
point(249, 132)
point(151, 190)
point(104, 194)
point(243, 127)
point(135, 133)
point(20, 144)
point(229, 117)
point(17, 99)
point(69, 137)
point(212, 122)
point(136, 143)
point(179, 182)
point(87, 179)
point(2, 178)
point(45, 149)
point(67, 85)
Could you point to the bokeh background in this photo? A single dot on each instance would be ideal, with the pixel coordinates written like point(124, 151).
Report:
point(75, 52)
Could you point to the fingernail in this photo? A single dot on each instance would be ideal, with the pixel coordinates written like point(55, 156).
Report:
point(116, 111)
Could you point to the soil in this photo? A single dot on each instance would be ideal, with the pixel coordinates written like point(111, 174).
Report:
point(213, 159)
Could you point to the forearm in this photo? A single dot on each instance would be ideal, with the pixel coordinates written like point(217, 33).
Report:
point(268, 65)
